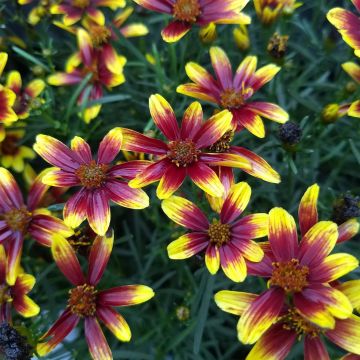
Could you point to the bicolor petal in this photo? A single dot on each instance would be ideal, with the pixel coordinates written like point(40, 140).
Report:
point(164, 117)
point(99, 256)
point(318, 242)
point(185, 213)
point(260, 315)
point(114, 322)
point(308, 214)
point(110, 146)
point(234, 302)
point(187, 245)
point(125, 295)
point(65, 258)
point(235, 202)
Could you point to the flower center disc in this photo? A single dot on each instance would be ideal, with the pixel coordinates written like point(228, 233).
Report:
point(186, 10)
point(99, 35)
point(82, 300)
point(219, 233)
point(289, 275)
point(182, 152)
point(223, 144)
point(294, 321)
point(82, 4)
point(18, 219)
point(91, 175)
point(10, 145)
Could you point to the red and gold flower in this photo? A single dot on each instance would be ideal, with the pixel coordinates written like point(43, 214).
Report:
point(15, 295)
point(18, 219)
point(75, 10)
point(348, 24)
point(26, 98)
point(7, 97)
point(227, 241)
point(269, 10)
point(86, 302)
point(290, 324)
point(98, 179)
point(298, 272)
point(187, 13)
point(185, 152)
point(233, 92)
point(103, 64)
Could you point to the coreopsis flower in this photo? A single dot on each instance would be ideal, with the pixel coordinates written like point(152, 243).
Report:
point(18, 219)
point(289, 326)
point(185, 152)
point(299, 273)
point(227, 241)
point(75, 10)
point(86, 302)
point(103, 64)
point(27, 97)
point(187, 13)
point(269, 10)
point(233, 92)
point(7, 97)
point(99, 179)
point(15, 295)
point(12, 154)
point(348, 24)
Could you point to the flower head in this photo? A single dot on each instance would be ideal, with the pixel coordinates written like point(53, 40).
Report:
point(86, 302)
point(15, 295)
point(289, 326)
point(299, 272)
point(227, 241)
point(269, 10)
point(7, 97)
point(12, 153)
point(185, 153)
point(187, 13)
point(103, 65)
point(98, 179)
point(347, 23)
point(233, 92)
point(75, 10)
point(26, 98)
point(18, 219)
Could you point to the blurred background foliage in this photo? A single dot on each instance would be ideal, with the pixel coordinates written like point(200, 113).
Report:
point(182, 322)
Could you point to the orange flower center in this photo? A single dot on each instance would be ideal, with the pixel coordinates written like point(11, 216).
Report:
point(289, 275)
point(82, 4)
point(18, 219)
point(9, 146)
point(182, 152)
point(91, 175)
point(294, 321)
point(219, 233)
point(186, 10)
point(231, 98)
point(223, 144)
point(82, 300)
point(99, 35)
